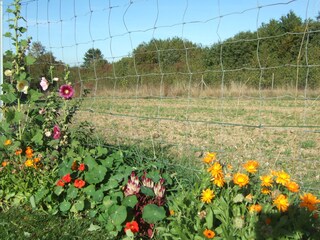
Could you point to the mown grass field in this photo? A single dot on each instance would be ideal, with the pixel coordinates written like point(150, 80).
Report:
point(281, 132)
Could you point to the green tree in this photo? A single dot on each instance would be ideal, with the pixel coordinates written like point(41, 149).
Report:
point(93, 57)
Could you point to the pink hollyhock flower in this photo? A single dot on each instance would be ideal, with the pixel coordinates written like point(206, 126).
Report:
point(56, 132)
point(66, 91)
point(44, 83)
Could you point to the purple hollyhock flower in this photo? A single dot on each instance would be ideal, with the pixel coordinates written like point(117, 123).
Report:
point(66, 91)
point(56, 132)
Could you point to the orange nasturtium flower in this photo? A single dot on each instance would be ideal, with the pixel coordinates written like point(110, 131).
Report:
point(240, 179)
point(266, 180)
point(309, 201)
point(292, 187)
point(251, 166)
point(282, 203)
point(79, 183)
point(210, 157)
point(132, 226)
point(29, 163)
point(7, 142)
point(207, 195)
point(60, 183)
point(209, 233)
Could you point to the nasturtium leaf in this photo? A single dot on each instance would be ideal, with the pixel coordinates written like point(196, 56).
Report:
point(79, 205)
point(147, 191)
point(95, 175)
point(152, 213)
point(64, 206)
point(154, 175)
point(93, 227)
point(118, 215)
point(111, 184)
point(58, 190)
point(40, 194)
point(90, 190)
point(72, 192)
point(130, 201)
point(98, 195)
point(90, 162)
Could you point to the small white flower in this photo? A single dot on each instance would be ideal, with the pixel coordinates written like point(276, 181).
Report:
point(55, 79)
point(47, 133)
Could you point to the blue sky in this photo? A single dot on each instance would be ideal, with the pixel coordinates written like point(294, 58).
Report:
point(69, 28)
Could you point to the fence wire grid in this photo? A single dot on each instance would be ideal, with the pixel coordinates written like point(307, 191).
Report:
point(187, 77)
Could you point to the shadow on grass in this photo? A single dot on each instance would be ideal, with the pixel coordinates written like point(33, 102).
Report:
point(296, 223)
point(23, 223)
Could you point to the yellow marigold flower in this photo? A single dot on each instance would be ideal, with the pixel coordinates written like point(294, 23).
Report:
point(265, 190)
point(240, 179)
point(292, 187)
point(215, 169)
point(281, 202)
point(266, 180)
point(7, 142)
point(4, 163)
point(282, 178)
point(210, 157)
point(309, 201)
point(209, 233)
point(255, 208)
point(219, 180)
point(251, 166)
point(18, 152)
point(29, 152)
point(171, 212)
point(29, 163)
point(207, 195)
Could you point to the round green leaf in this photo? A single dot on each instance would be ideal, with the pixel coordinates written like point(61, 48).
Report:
point(118, 215)
point(130, 201)
point(64, 206)
point(79, 205)
point(152, 213)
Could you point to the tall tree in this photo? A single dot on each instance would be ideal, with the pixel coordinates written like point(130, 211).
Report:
point(93, 57)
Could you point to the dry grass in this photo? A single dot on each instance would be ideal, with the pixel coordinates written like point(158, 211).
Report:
point(280, 132)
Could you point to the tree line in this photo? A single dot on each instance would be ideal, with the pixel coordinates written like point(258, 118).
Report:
point(280, 53)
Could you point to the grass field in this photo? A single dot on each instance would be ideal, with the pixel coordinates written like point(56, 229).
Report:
point(279, 131)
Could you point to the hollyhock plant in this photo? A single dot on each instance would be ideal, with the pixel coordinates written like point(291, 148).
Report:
point(23, 86)
point(66, 91)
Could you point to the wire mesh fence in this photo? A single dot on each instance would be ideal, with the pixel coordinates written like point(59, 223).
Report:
point(186, 77)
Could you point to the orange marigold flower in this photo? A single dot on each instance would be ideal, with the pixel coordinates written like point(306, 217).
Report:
point(133, 226)
point(207, 195)
point(215, 169)
point(251, 166)
point(309, 201)
point(282, 178)
point(60, 183)
point(255, 208)
point(210, 157)
point(265, 190)
point(266, 180)
point(240, 179)
point(18, 152)
point(7, 142)
point(209, 233)
point(29, 152)
point(171, 212)
point(292, 187)
point(36, 160)
point(4, 163)
point(281, 202)
point(249, 197)
point(229, 166)
point(29, 163)
point(79, 183)
point(219, 180)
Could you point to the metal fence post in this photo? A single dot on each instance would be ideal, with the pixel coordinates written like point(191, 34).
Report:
point(1, 57)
